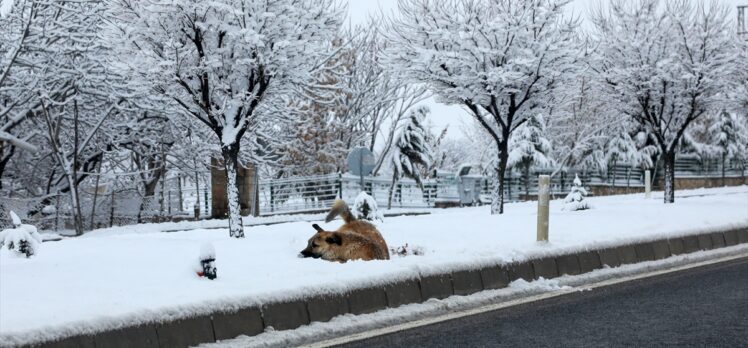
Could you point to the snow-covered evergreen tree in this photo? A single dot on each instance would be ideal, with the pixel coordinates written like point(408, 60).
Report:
point(22, 239)
point(365, 208)
point(411, 150)
point(620, 148)
point(575, 199)
point(729, 140)
point(529, 146)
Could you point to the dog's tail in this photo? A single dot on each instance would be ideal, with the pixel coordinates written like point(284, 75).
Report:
point(340, 208)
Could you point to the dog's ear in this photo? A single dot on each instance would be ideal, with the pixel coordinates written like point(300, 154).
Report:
point(316, 227)
point(334, 239)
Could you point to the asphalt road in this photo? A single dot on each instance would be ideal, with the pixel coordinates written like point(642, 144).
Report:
point(701, 307)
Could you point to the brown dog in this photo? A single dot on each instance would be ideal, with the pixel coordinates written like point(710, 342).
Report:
point(354, 240)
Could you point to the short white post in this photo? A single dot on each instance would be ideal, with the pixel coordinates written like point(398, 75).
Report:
point(544, 192)
point(647, 183)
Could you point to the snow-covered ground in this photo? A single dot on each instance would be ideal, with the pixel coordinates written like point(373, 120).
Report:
point(117, 277)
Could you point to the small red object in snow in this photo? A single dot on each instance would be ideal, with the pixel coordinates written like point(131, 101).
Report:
point(200, 274)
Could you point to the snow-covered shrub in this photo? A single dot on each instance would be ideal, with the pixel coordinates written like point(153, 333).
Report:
point(365, 208)
point(406, 250)
point(22, 239)
point(207, 262)
point(575, 199)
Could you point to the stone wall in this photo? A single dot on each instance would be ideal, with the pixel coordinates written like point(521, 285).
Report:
point(246, 180)
point(704, 182)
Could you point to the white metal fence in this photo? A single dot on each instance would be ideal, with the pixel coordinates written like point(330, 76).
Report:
point(119, 204)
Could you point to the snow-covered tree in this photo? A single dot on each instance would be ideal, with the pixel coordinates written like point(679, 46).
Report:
point(411, 150)
point(365, 208)
point(729, 140)
point(575, 199)
point(664, 64)
point(314, 148)
point(229, 64)
point(438, 153)
point(620, 148)
point(529, 146)
point(498, 58)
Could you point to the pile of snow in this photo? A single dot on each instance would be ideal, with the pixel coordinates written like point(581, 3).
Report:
point(575, 199)
point(365, 208)
point(103, 281)
point(22, 239)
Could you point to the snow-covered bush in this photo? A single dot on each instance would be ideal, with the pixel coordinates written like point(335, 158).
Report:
point(365, 208)
point(22, 239)
point(575, 199)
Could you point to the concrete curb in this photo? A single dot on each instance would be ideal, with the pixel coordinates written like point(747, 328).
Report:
point(292, 314)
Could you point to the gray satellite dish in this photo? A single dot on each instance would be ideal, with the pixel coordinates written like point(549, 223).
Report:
point(361, 162)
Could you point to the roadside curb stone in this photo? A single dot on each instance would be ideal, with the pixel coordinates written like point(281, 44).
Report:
point(568, 265)
point(690, 244)
point(285, 315)
point(523, 270)
point(436, 286)
point(742, 236)
point(70, 342)
point(609, 257)
point(494, 277)
point(705, 242)
point(139, 336)
point(589, 261)
point(676, 246)
point(731, 238)
point(718, 240)
point(325, 307)
point(404, 292)
point(626, 254)
point(185, 332)
point(661, 249)
point(644, 252)
point(367, 300)
point(466, 282)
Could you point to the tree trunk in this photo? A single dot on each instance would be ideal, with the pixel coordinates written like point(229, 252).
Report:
point(669, 178)
point(148, 197)
point(724, 157)
point(231, 164)
point(526, 170)
point(497, 197)
point(392, 191)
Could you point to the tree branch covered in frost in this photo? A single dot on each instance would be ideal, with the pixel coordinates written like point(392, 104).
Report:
point(665, 64)
point(498, 58)
point(228, 64)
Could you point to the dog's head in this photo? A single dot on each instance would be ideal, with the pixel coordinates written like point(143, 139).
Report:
point(322, 244)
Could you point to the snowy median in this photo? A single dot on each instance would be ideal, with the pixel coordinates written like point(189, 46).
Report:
point(111, 279)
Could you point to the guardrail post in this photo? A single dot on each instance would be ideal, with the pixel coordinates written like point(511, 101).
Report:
point(544, 190)
point(647, 183)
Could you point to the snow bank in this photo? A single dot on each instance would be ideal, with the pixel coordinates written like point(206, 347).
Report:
point(107, 280)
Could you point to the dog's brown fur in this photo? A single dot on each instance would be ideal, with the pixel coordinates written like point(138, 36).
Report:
point(354, 240)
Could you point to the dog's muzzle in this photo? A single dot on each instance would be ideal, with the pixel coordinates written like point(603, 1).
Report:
point(305, 253)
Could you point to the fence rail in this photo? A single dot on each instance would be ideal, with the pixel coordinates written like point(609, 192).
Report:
point(115, 205)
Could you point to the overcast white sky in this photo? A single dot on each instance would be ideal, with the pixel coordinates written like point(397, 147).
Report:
point(454, 116)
